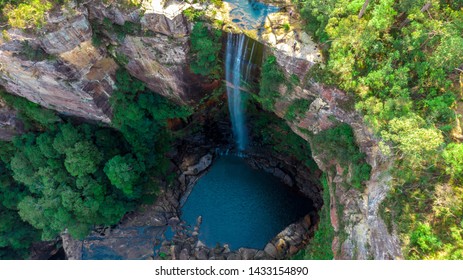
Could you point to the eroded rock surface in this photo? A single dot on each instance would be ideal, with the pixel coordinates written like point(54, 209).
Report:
point(59, 68)
point(10, 125)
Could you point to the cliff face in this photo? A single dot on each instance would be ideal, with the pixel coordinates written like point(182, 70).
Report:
point(364, 233)
point(10, 125)
point(75, 77)
point(60, 68)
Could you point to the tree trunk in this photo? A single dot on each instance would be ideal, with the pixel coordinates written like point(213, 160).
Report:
point(423, 9)
point(364, 8)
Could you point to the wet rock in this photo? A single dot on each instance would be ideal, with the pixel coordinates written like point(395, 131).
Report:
point(293, 250)
point(201, 254)
point(247, 254)
point(200, 244)
point(226, 249)
point(72, 247)
point(174, 221)
point(233, 256)
point(260, 255)
point(10, 124)
point(307, 222)
point(271, 250)
point(184, 255)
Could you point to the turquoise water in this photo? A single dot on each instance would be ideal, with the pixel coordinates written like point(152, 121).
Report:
point(250, 14)
point(241, 206)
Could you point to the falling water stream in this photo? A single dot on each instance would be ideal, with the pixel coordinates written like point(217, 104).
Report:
point(239, 205)
point(237, 71)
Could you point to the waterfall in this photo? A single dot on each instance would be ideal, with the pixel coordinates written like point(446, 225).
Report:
point(238, 59)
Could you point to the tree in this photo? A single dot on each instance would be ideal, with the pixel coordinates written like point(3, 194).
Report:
point(415, 143)
point(205, 48)
point(453, 156)
point(124, 173)
point(82, 159)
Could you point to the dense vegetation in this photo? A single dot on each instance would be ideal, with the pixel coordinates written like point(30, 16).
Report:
point(63, 175)
point(339, 143)
point(271, 79)
point(319, 247)
point(401, 61)
point(274, 134)
point(205, 48)
point(27, 14)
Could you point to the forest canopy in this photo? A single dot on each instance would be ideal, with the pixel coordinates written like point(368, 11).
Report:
point(66, 175)
point(402, 62)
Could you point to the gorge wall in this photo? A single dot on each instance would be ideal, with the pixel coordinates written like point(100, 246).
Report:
point(62, 68)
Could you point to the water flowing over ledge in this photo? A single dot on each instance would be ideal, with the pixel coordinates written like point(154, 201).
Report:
point(237, 71)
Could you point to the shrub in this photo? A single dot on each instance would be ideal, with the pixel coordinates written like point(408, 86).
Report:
point(339, 143)
point(297, 108)
point(30, 14)
point(205, 48)
point(271, 79)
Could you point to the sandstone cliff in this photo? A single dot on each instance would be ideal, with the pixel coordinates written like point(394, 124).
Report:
point(60, 67)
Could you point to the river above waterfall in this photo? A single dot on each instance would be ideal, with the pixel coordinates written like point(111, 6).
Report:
point(241, 206)
point(250, 14)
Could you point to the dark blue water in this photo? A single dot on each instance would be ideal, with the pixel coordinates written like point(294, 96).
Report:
point(241, 206)
point(250, 14)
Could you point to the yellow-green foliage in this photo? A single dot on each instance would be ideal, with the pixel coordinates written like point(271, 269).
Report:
point(30, 14)
point(125, 3)
point(398, 59)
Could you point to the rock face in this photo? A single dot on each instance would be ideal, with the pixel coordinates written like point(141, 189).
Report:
point(167, 20)
point(161, 63)
point(366, 233)
point(10, 125)
point(60, 69)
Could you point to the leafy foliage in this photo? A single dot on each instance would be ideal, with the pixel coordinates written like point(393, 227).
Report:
point(398, 58)
point(16, 236)
point(141, 116)
point(271, 79)
point(28, 13)
point(275, 134)
point(297, 108)
point(31, 114)
point(65, 186)
point(319, 247)
point(339, 143)
point(67, 176)
point(423, 240)
point(124, 173)
point(205, 48)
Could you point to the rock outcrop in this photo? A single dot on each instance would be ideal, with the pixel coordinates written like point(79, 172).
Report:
point(157, 53)
point(59, 68)
point(365, 233)
point(10, 125)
